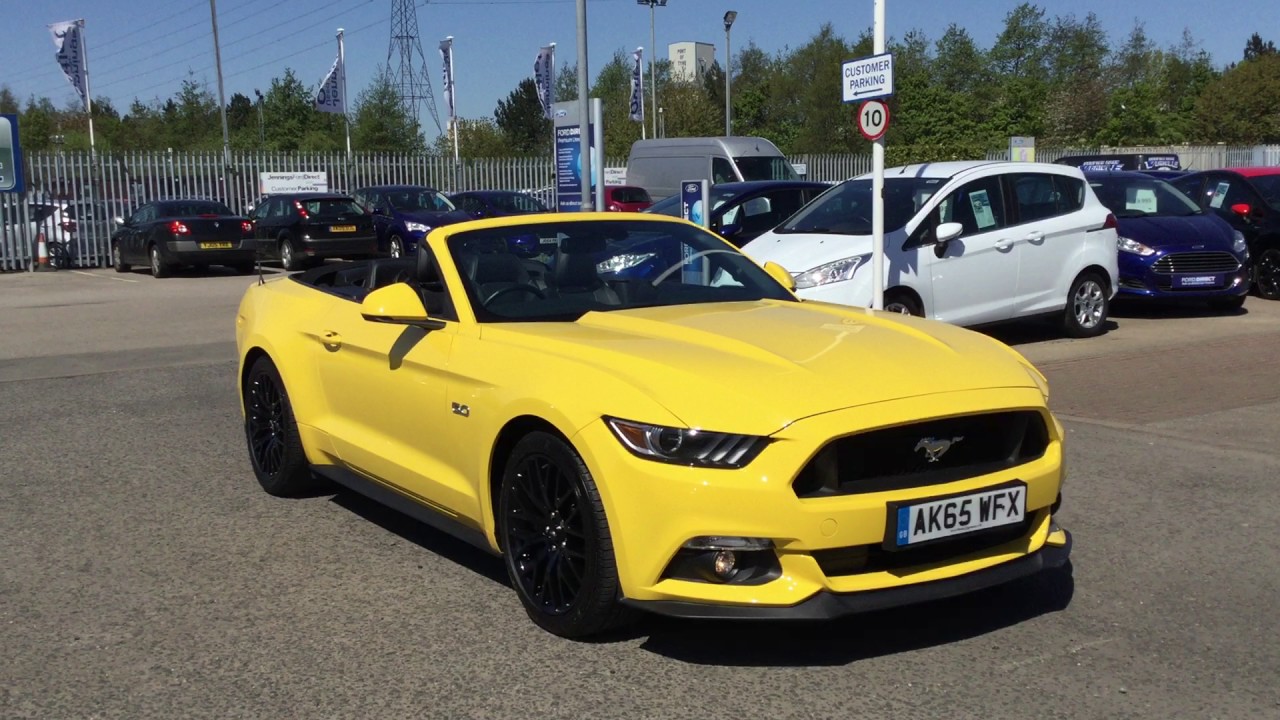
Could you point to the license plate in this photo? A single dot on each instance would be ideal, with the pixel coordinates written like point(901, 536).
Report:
point(1196, 281)
point(215, 246)
point(918, 522)
point(342, 228)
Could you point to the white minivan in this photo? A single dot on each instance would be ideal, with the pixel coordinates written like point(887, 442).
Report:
point(968, 243)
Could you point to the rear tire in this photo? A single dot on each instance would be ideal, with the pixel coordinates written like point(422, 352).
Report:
point(1266, 274)
point(555, 540)
point(271, 433)
point(117, 259)
point(1088, 306)
point(159, 268)
point(289, 255)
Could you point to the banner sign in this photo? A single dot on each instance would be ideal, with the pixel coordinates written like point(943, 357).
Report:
point(271, 183)
point(637, 87)
point(10, 155)
point(569, 171)
point(68, 38)
point(544, 78)
point(329, 98)
point(446, 62)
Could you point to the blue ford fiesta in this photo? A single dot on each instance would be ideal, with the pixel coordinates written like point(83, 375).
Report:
point(1169, 248)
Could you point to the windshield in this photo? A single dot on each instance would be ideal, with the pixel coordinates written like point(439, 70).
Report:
point(419, 200)
point(670, 205)
point(517, 203)
point(765, 168)
point(193, 209)
point(1129, 197)
point(846, 208)
point(559, 271)
point(1269, 187)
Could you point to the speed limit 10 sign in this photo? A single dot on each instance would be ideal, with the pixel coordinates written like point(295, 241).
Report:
point(873, 119)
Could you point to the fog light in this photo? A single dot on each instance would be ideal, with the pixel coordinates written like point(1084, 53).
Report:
point(724, 564)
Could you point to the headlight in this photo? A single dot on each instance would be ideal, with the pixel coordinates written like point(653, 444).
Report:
point(1238, 244)
point(686, 446)
point(416, 227)
point(618, 263)
point(1133, 246)
point(831, 272)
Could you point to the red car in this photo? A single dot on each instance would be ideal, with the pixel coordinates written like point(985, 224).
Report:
point(626, 198)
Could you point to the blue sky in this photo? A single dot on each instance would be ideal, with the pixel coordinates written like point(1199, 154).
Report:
point(146, 48)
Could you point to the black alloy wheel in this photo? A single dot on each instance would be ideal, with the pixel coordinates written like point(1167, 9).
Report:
point(556, 541)
point(275, 449)
point(1266, 274)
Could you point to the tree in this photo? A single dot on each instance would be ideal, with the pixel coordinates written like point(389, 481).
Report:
point(1256, 48)
point(1134, 104)
point(37, 124)
point(9, 104)
point(1076, 106)
point(521, 120)
point(1243, 105)
point(1018, 63)
point(292, 123)
point(380, 123)
point(478, 138)
point(812, 118)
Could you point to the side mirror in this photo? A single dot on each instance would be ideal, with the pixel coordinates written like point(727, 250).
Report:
point(730, 229)
point(397, 304)
point(119, 221)
point(779, 273)
point(943, 235)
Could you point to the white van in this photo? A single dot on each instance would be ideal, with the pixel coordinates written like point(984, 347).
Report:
point(660, 164)
point(968, 243)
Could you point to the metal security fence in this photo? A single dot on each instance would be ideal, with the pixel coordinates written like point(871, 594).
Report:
point(73, 198)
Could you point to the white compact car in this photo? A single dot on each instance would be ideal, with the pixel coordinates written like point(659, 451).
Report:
point(968, 243)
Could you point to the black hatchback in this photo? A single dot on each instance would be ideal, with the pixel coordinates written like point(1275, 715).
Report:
point(170, 233)
point(299, 228)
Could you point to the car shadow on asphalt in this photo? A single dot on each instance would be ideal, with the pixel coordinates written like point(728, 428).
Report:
point(1030, 331)
point(860, 637)
point(424, 536)
point(1158, 310)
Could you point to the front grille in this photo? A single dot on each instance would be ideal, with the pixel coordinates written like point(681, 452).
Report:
point(899, 457)
point(874, 558)
point(1196, 262)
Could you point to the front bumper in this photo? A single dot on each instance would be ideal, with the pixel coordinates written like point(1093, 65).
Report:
point(826, 605)
point(1139, 280)
point(655, 508)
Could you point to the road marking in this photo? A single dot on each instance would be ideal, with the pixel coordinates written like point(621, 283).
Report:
point(102, 277)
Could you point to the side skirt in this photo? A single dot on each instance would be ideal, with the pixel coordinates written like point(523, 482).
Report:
point(403, 504)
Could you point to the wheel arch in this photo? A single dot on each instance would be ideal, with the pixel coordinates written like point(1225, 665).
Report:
point(911, 293)
point(1098, 270)
point(510, 434)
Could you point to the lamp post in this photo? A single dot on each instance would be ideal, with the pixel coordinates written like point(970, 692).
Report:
point(262, 127)
point(729, 17)
point(653, 58)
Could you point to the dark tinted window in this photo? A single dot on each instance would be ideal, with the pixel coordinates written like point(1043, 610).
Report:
point(1042, 196)
point(517, 203)
point(846, 208)
point(1269, 186)
point(193, 208)
point(978, 206)
point(765, 168)
point(721, 171)
point(630, 195)
point(415, 200)
point(1128, 196)
point(332, 207)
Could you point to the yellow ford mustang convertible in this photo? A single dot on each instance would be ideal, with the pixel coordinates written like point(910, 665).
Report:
point(635, 415)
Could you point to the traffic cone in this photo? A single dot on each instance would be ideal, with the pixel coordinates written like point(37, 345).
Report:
point(42, 255)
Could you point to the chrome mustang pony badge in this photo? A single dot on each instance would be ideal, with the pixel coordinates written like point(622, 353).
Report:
point(935, 448)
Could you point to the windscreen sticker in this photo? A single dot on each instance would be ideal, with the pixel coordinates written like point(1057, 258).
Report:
point(1219, 194)
point(982, 214)
point(1142, 199)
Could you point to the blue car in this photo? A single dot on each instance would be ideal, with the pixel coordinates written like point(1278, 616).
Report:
point(403, 214)
point(742, 211)
point(1169, 248)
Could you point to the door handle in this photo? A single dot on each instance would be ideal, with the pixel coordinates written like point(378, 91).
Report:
point(1004, 246)
point(331, 339)
point(1035, 237)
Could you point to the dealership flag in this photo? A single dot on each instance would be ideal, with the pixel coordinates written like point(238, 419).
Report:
point(329, 98)
point(544, 77)
point(446, 60)
point(68, 37)
point(637, 88)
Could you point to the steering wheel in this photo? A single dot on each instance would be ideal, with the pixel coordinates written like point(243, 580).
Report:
point(522, 287)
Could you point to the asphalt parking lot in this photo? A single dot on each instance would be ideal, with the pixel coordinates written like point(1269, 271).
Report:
point(147, 575)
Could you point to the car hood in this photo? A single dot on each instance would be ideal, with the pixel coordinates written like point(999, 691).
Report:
point(435, 219)
point(755, 367)
point(1158, 232)
point(798, 252)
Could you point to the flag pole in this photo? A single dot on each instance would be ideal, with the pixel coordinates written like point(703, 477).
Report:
point(342, 70)
point(453, 104)
point(222, 98)
point(551, 113)
point(88, 97)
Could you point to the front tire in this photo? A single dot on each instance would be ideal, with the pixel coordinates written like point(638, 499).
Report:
point(555, 540)
point(395, 247)
point(159, 268)
point(117, 259)
point(1266, 274)
point(903, 303)
point(1088, 305)
point(271, 433)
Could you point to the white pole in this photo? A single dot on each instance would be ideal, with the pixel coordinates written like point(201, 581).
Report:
point(653, 73)
point(453, 103)
point(877, 188)
point(584, 112)
point(88, 96)
point(643, 133)
point(597, 157)
point(222, 98)
point(342, 63)
point(551, 104)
